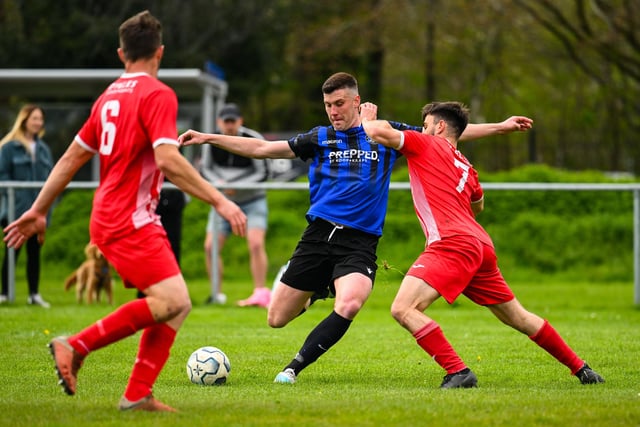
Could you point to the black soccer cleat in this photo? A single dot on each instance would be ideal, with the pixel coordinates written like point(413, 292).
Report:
point(460, 379)
point(586, 375)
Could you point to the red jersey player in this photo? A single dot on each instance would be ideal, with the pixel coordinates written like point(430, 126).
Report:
point(459, 257)
point(133, 128)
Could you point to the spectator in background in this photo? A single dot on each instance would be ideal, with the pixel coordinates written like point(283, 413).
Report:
point(24, 156)
point(226, 167)
point(170, 207)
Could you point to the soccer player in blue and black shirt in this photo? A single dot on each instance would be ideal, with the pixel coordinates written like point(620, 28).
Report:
point(349, 179)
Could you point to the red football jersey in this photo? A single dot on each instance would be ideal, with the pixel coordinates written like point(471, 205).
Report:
point(443, 185)
point(133, 115)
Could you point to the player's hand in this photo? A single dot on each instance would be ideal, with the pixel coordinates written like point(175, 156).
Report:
point(20, 230)
point(232, 213)
point(368, 111)
point(192, 137)
point(516, 124)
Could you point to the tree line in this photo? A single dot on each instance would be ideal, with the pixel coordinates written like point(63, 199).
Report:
point(573, 66)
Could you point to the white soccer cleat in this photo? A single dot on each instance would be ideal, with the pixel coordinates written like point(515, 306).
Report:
point(286, 377)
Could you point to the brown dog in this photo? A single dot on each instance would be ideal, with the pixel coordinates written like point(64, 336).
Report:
point(93, 276)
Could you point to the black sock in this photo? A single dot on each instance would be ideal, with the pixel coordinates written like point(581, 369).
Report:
point(322, 338)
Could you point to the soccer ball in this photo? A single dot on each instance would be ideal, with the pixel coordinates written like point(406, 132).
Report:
point(208, 366)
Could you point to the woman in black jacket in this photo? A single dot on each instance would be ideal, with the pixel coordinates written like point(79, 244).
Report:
point(24, 156)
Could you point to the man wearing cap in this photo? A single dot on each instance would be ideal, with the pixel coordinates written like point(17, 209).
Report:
point(225, 167)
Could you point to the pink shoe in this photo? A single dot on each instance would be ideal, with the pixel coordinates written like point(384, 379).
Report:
point(261, 297)
point(67, 362)
point(148, 403)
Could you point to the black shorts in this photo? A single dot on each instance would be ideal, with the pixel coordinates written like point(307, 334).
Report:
point(328, 251)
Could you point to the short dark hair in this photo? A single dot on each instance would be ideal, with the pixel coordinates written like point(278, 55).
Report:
point(140, 36)
point(339, 80)
point(456, 114)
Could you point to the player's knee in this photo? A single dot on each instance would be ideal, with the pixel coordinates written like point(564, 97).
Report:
point(274, 320)
point(185, 307)
point(178, 306)
point(399, 312)
point(275, 323)
point(349, 308)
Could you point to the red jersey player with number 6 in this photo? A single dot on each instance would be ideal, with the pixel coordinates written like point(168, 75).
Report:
point(133, 129)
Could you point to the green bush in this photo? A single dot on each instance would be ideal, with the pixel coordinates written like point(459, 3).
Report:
point(571, 233)
point(68, 231)
point(565, 203)
point(552, 243)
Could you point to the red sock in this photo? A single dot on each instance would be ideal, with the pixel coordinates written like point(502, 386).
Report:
point(433, 341)
point(153, 353)
point(549, 339)
point(125, 321)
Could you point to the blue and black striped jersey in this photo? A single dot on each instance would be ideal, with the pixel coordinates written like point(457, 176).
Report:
point(349, 175)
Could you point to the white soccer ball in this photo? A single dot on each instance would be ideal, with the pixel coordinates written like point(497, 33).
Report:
point(208, 366)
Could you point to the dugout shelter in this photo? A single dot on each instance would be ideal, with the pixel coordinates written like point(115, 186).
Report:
point(200, 96)
point(72, 83)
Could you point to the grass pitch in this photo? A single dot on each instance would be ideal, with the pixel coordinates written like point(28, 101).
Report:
point(375, 376)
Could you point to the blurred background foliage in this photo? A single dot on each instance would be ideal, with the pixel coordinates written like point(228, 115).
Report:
point(573, 66)
point(568, 234)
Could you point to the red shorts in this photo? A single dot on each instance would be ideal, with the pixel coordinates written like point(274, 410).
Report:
point(143, 258)
point(462, 265)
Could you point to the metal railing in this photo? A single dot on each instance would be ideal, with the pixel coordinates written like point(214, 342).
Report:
point(11, 186)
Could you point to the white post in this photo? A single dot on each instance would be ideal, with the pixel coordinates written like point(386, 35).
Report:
point(636, 246)
point(11, 255)
point(215, 275)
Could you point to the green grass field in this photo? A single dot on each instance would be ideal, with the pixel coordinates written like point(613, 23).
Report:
point(376, 376)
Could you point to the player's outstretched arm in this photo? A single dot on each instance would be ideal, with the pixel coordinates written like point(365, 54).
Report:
point(19, 231)
point(34, 221)
point(481, 130)
point(243, 146)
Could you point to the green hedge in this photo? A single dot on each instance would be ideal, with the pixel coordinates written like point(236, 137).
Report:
point(570, 233)
point(574, 234)
point(581, 234)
